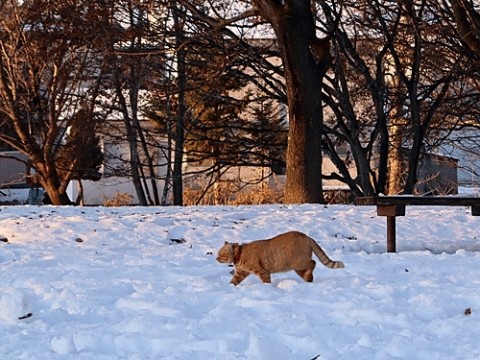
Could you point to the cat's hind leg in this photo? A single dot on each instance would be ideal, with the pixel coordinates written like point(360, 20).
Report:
point(307, 274)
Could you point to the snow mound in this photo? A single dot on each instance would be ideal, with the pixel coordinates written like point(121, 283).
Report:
point(13, 304)
point(177, 235)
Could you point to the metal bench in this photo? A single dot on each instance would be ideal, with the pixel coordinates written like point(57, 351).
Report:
point(393, 206)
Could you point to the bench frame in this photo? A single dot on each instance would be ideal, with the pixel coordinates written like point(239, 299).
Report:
point(393, 206)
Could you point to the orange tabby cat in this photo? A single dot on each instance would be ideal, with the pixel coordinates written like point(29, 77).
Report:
point(284, 252)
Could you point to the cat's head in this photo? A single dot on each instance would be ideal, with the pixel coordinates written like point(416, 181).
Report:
point(227, 252)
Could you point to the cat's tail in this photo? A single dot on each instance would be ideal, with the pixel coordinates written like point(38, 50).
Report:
point(324, 259)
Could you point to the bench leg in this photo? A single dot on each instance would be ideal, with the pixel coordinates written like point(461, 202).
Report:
point(391, 212)
point(391, 235)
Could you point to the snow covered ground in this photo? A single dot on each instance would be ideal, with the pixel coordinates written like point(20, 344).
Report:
point(106, 283)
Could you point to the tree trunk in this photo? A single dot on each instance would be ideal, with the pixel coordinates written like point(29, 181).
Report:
point(168, 154)
point(395, 161)
point(418, 132)
point(294, 27)
point(134, 157)
point(363, 169)
point(47, 176)
point(180, 133)
point(150, 167)
point(131, 135)
point(383, 148)
point(55, 196)
point(80, 198)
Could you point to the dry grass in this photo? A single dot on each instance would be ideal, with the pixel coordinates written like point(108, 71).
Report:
point(119, 199)
point(227, 193)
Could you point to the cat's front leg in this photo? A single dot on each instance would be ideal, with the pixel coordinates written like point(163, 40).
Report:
point(239, 276)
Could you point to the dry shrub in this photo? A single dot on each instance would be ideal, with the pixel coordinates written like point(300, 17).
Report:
point(228, 193)
point(263, 195)
point(190, 196)
point(119, 199)
point(338, 196)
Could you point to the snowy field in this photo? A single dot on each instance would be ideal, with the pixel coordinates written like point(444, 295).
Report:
point(108, 283)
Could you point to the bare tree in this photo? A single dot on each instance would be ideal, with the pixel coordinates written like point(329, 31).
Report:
point(305, 60)
point(398, 88)
point(133, 58)
point(203, 103)
point(134, 52)
point(467, 17)
point(49, 73)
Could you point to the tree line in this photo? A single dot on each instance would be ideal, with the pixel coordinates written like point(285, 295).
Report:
point(195, 80)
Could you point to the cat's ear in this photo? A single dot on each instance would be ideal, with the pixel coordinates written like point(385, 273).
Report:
point(226, 243)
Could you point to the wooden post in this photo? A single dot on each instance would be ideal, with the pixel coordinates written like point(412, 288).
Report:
point(391, 235)
point(391, 212)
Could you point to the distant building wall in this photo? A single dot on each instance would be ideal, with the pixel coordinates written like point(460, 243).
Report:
point(437, 175)
point(12, 169)
point(108, 190)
